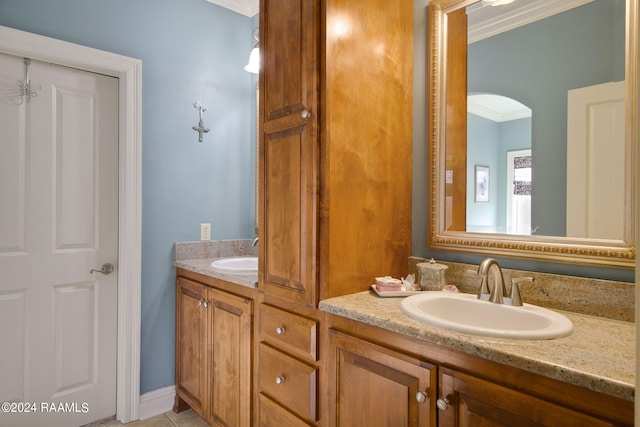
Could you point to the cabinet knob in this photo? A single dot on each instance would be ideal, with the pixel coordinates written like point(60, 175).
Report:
point(306, 114)
point(280, 379)
point(205, 304)
point(200, 303)
point(280, 330)
point(421, 396)
point(442, 404)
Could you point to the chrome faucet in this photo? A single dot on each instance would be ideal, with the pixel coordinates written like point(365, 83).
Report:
point(255, 241)
point(498, 290)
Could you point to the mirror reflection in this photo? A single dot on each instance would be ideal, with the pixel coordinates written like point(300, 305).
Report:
point(545, 119)
point(533, 129)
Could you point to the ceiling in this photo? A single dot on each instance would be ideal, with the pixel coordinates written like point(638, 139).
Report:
point(484, 21)
point(248, 8)
point(496, 107)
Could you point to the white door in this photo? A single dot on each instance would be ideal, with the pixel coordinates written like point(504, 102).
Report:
point(58, 220)
point(596, 162)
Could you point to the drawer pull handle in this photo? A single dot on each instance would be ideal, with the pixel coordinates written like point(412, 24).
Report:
point(443, 404)
point(421, 396)
point(280, 379)
point(280, 330)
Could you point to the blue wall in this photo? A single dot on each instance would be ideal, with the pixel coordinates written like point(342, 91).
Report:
point(488, 143)
point(191, 50)
point(483, 149)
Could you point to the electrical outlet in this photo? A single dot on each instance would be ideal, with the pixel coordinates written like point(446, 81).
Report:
point(205, 231)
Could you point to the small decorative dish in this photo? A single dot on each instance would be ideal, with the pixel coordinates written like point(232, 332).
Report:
point(393, 294)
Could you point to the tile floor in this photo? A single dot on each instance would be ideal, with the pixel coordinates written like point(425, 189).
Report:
point(186, 418)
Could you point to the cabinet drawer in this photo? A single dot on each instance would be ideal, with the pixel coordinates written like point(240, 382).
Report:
point(290, 332)
point(273, 415)
point(288, 381)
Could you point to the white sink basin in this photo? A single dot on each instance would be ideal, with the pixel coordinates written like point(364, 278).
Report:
point(236, 265)
point(465, 313)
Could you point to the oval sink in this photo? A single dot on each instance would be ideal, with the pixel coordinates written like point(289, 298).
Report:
point(465, 313)
point(236, 265)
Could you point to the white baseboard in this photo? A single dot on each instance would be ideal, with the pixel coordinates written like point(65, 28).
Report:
point(156, 402)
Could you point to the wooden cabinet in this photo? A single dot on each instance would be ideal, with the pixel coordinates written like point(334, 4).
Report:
point(375, 376)
point(471, 401)
point(289, 148)
point(213, 352)
point(289, 332)
point(375, 386)
point(230, 341)
point(335, 145)
point(287, 368)
point(191, 343)
point(335, 119)
point(289, 381)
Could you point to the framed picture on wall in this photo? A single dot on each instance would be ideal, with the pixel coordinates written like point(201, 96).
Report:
point(482, 184)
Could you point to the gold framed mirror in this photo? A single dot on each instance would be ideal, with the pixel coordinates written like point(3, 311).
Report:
point(530, 196)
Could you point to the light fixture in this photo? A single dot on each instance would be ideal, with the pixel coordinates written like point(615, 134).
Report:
point(253, 66)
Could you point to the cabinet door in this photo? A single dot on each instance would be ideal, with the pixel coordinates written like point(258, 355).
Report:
point(230, 360)
point(376, 386)
point(288, 39)
point(191, 343)
point(471, 401)
point(288, 148)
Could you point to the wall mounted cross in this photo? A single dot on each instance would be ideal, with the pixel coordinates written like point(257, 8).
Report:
point(200, 128)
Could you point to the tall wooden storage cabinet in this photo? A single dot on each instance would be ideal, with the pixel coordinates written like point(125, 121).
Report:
point(335, 145)
point(289, 152)
point(335, 119)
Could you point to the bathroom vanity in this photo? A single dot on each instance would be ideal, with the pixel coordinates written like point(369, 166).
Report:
point(213, 343)
point(214, 334)
point(334, 180)
point(334, 204)
point(419, 375)
point(245, 358)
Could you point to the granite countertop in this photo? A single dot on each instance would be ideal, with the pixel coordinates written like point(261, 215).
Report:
point(203, 266)
point(599, 355)
point(198, 256)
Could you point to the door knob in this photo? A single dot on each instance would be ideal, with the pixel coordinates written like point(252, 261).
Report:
point(106, 268)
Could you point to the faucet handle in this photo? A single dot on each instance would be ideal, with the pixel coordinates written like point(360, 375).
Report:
point(516, 299)
point(483, 293)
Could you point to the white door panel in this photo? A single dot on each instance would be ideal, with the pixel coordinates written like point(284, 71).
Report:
point(59, 221)
point(12, 163)
point(596, 162)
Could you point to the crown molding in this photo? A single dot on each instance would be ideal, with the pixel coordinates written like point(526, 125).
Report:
point(248, 8)
point(517, 17)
